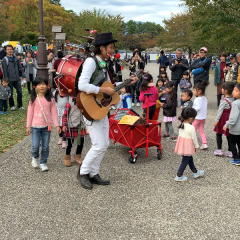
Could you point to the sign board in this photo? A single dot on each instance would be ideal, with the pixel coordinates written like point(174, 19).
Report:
point(128, 119)
point(56, 29)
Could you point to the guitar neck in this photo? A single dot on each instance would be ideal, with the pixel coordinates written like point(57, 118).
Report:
point(120, 86)
point(127, 81)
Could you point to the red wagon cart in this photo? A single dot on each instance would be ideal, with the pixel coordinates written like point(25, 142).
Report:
point(135, 136)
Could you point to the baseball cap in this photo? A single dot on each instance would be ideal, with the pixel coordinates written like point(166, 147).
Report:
point(232, 55)
point(203, 48)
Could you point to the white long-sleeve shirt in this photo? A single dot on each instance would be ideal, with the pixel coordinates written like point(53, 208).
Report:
point(189, 133)
point(200, 105)
point(89, 67)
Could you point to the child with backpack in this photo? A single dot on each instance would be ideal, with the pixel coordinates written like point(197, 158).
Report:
point(73, 127)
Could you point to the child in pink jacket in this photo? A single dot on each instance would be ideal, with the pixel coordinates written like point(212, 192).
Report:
point(42, 113)
point(147, 86)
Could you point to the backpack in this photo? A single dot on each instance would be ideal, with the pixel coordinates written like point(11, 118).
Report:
point(19, 70)
point(166, 61)
point(74, 117)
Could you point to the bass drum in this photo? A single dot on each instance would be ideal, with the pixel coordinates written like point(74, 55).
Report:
point(68, 74)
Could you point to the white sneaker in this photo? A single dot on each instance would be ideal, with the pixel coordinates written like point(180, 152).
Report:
point(43, 167)
point(34, 162)
point(113, 108)
point(13, 108)
point(138, 104)
point(204, 146)
point(133, 104)
point(21, 108)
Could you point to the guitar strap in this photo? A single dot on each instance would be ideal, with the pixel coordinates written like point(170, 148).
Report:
point(111, 78)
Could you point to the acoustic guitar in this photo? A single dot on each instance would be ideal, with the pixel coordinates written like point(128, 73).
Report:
point(96, 106)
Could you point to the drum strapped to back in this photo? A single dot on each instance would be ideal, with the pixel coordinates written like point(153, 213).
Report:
point(68, 74)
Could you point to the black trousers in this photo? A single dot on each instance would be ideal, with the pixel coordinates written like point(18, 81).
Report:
point(79, 147)
point(219, 141)
point(29, 83)
point(62, 134)
point(18, 87)
point(3, 105)
point(186, 160)
point(151, 111)
point(219, 97)
point(233, 141)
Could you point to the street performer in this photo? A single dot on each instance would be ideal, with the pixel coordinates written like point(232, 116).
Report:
point(98, 129)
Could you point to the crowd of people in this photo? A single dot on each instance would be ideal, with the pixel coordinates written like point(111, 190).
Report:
point(18, 72)
point(47, 106)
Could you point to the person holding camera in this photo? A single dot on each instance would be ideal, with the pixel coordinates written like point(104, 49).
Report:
point(137, 65)
point(178, 66)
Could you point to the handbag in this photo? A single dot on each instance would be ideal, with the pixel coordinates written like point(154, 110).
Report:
point(49, 127)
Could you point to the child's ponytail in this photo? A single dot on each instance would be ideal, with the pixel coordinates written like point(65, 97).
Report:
point(147, 78)
point(202, 86)
point(180, 118)
point(186, 114)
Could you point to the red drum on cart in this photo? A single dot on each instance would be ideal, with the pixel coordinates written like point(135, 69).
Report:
point(68, 73)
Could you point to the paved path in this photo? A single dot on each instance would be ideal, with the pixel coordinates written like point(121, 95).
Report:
point(142, 202)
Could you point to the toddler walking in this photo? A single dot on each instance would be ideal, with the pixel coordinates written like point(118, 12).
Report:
point(5, 94)
point(42, 112)
point(147, 86)
point(233, 124)
point(200, 105)
point(222, 117)
point(169, 110)
point(187, 144)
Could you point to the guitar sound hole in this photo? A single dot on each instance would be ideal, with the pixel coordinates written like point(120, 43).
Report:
point(106, 102)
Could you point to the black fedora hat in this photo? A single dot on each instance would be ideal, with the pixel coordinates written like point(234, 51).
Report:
point(104, 38)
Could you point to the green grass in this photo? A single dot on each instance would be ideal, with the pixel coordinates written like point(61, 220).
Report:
point(13, 124)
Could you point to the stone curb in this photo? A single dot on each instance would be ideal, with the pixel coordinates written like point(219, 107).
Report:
point(14, 149)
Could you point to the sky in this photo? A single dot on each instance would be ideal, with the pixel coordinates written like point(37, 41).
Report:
point(138, 10)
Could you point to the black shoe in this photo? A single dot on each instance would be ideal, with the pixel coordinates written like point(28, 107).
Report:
point(78, 174)
point(98, 180)
point(85, 181)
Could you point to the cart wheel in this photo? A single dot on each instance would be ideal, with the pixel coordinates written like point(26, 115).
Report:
point(159, 154)
point(131, 159)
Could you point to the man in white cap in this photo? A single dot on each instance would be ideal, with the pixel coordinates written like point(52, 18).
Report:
point(204, 63)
